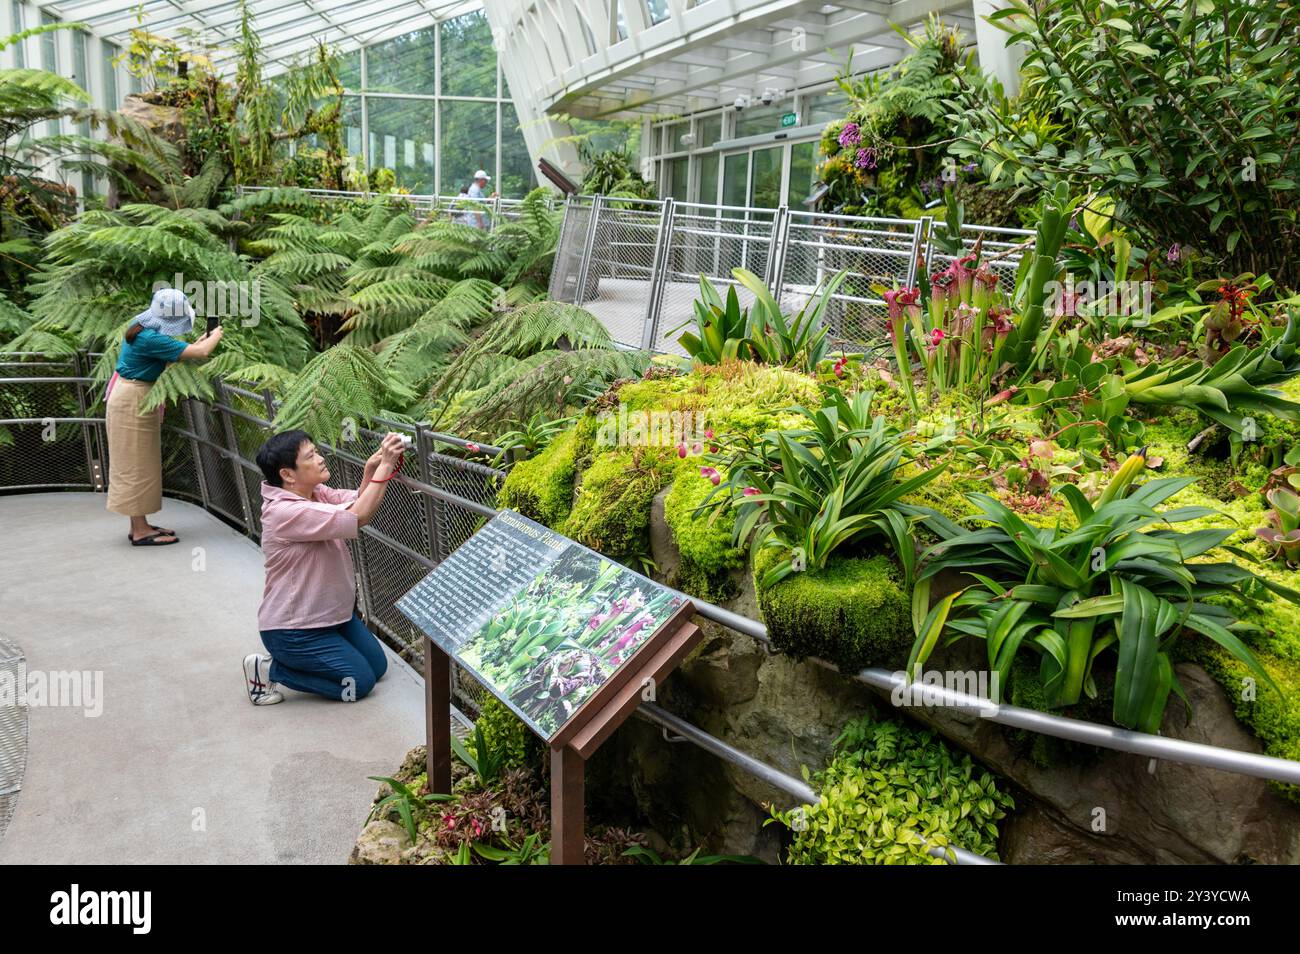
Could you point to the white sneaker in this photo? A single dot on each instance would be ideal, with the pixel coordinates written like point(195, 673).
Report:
point(257, 680)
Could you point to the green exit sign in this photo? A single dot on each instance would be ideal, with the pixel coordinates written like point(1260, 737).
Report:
point(789, 119)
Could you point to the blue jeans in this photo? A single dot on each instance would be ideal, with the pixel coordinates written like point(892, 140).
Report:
point(339, 662)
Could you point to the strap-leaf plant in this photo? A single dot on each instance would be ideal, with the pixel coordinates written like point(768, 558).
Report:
point(815, 491)
point(1110, 584)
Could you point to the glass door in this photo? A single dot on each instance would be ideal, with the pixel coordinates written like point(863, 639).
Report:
point(731, 224)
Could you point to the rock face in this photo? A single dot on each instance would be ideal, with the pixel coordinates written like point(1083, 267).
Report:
point(166, 122)
point(381, 843)
point(1111, 807)
point(1098, 807)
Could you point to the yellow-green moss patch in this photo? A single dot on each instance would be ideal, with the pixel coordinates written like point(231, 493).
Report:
point(854, 612)
point(542, 487)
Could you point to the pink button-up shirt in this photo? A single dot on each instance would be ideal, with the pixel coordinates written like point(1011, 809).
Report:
point(310, 583)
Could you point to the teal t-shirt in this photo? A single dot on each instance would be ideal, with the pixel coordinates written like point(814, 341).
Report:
point(146, 357)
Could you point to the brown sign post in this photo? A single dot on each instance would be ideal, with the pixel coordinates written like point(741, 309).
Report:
point(579, 738)
point(517, 591)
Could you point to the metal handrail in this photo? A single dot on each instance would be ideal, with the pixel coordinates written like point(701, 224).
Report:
point(1138, 743)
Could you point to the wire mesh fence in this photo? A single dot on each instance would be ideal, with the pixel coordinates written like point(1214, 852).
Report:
point(52, 437)
point(873, 254)
point(636, 264)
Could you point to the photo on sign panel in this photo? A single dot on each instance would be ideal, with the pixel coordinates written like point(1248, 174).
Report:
point(557, 641)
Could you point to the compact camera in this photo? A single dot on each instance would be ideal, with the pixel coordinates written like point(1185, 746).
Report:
point(407, 440)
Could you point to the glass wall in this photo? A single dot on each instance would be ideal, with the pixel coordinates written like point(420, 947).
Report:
point(433, 107)
point(698, 158)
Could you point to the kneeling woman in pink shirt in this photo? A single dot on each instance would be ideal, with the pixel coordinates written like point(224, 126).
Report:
point(310, 627)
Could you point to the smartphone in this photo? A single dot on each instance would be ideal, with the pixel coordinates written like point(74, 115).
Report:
point(213, 322)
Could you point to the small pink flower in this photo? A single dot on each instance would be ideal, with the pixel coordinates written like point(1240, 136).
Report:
point(936, 336)
point(750, 491)
point(711, 474)
point(472, 447)
point(681, 450)
point(697, 449)
point(708, 432)
point(839, 366)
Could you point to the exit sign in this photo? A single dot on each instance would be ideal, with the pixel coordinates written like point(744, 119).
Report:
point(789, 119)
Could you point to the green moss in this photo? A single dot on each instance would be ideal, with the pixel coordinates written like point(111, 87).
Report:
point(738, 396)
point(707, 554)
point(542, 487)
point(611, 512)
point(947, 492)
point(853, 613)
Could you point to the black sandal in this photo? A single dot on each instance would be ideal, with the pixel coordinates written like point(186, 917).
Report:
point(152, 540)
point(166, 533)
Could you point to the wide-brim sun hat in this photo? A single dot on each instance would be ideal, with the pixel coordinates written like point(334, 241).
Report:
point(482, 175)
point(170, 313)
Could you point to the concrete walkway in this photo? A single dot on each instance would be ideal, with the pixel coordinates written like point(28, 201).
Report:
point(178, 768)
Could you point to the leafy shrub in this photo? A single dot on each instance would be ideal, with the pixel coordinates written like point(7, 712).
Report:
point(890, 793)
point(505, 734)
point(1188, 113)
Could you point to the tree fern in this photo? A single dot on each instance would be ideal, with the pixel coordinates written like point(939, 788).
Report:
point(343, 382)
point(548, 381)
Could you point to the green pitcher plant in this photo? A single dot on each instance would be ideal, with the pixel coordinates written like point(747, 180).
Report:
point(1121, 581)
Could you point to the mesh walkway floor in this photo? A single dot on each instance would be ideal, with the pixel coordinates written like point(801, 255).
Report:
point(178, 768)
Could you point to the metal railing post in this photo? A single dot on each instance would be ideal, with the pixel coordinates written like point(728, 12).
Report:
point(580, 293)
point(924, 228)
point(775, 271)
point(94, 470)
point(232, 445)
point(658, 277)
point(424, 449)
point(198, 426)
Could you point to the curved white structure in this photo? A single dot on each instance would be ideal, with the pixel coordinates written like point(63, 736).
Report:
point(625, 58)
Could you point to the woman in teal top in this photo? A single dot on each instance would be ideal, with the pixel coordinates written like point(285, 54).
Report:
point(135, 438)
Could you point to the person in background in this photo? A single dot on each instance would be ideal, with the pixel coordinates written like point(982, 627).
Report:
point(478, 190)
point(308, 619)
point(465, 217)
point(152, 341)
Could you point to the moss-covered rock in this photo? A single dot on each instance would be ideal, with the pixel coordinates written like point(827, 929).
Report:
point(704, 540)
point(853, 613)
point(1274, 718)
point(612, 510)
point(542, 487)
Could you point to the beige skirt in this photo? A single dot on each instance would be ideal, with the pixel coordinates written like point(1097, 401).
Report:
point(134, 451)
